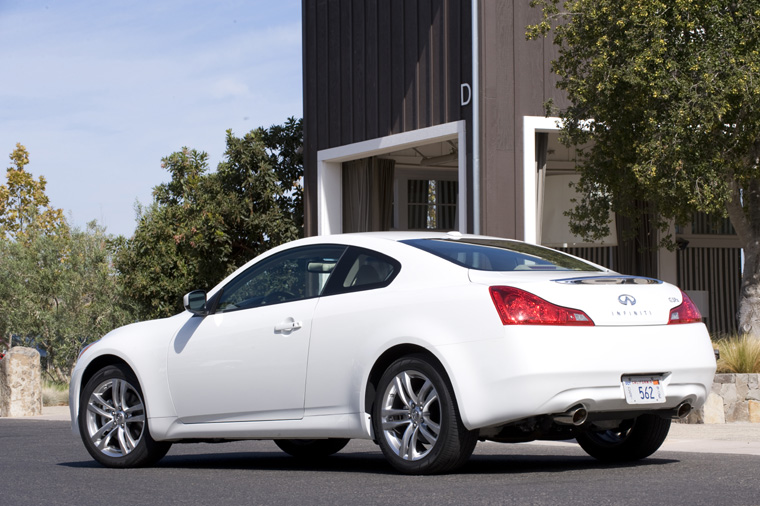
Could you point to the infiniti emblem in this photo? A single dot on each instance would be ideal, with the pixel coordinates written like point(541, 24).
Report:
point(627, 300)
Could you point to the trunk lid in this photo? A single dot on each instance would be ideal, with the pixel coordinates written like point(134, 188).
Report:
point(608, 299)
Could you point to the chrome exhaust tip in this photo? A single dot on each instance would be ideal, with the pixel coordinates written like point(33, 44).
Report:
point(683, 410)
point(577, 415)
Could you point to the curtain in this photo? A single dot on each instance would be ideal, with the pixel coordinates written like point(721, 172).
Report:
point(417, 198)
point(356, 191)
point(368, 194)
point(381, 215)
point(448, 191)
point(542, 152)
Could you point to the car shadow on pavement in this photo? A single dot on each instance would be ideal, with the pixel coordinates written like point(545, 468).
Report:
point(375, 463)
point(517, 464)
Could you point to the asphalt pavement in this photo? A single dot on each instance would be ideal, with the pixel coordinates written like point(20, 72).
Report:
point(43, 463)
point(729, 438)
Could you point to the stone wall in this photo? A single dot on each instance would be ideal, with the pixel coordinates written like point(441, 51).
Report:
point(733, 398)
point(21, 383)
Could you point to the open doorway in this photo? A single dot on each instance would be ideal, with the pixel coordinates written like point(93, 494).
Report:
point(410, 181)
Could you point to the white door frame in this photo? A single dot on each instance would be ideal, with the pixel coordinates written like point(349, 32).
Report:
point(531, 125)
point(330, 172)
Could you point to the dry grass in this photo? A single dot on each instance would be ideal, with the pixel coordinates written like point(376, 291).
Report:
point(55, 394)
point(739, 354)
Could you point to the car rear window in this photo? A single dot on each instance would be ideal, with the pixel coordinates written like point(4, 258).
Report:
point(500, 255)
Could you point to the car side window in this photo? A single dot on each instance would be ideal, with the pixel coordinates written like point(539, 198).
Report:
point(362, 269)
point(292, 275)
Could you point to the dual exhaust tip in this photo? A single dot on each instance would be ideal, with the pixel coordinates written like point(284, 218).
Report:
point(577, 415)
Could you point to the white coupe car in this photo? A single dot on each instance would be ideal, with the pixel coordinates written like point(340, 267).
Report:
point(423, 342)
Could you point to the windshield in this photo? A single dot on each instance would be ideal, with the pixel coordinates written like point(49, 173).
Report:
point(500, 255)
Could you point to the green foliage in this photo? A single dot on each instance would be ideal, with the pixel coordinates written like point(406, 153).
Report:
point(668, 92)
point(739, 354)
point(668, 95)
point(59, 291)
point(23, 203)
point(55, 393)
point(202, 225)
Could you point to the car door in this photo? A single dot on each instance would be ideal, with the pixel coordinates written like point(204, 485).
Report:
point(353, 312)
point(247, 360)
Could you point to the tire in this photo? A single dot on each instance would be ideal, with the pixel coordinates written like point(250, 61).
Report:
point(309, 449)
point(635, 440)
point(113, 423)
point(416, 419)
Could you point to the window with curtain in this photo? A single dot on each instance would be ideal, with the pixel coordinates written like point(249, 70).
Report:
point(432, 204)
point(368, 194)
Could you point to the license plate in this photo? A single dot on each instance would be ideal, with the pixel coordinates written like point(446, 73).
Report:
point(643, 389)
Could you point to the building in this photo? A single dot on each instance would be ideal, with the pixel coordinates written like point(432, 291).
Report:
point(407, 127)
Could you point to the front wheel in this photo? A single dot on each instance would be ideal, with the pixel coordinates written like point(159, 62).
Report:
point(416, 419)
point(633, 440)
point(113, 423)
point(311, 448)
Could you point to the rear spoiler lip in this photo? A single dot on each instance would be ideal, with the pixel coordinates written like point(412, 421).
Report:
point(614, 279)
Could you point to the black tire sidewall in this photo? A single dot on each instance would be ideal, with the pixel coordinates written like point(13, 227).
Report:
point(645, 437)
point(147, 450)
point(311, 449)
point(454, 443)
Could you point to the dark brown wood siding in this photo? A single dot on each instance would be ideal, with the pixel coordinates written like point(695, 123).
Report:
point(379, 67)
point(516, 81)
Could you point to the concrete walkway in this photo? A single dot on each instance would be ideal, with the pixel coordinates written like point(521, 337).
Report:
point(732, 438)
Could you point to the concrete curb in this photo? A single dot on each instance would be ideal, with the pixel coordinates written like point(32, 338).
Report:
point(55, 413)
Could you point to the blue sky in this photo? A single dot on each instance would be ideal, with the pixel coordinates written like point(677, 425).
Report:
point(100, 91)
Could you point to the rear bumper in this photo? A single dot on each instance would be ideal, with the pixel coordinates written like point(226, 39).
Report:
point(541, 370)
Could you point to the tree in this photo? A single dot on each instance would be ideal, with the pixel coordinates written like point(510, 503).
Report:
point(59, 292)
point(23, 202)
point(668, 91)
point(24, 211)
point(202, 225)
point(58, 287)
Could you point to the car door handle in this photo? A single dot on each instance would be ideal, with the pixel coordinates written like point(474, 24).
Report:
point(288, 325)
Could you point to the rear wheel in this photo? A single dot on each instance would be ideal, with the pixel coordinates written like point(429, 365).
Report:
point(633, 440)
point(311, 448)
point(113, 422)
point(416, 419)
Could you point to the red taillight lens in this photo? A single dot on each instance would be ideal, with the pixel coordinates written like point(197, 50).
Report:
point(518, 307)
point(687, 312)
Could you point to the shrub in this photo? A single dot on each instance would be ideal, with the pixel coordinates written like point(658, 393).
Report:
point(739, 354)
point(55, 394)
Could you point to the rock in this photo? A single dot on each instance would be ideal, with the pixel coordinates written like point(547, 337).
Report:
point(20, 383)
point(737, 412)
point(725, 378)
point(713, 409)
point(754, 411)
point(742, 386)
point(728, 393)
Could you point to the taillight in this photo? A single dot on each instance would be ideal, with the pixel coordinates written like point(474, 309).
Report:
point(518, 307)
point(687, 312)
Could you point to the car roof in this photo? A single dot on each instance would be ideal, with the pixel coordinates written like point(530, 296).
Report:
point(360, 238)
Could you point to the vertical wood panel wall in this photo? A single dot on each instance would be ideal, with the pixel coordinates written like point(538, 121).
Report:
point(718, 271)
point(379, 67)
point(517, 81)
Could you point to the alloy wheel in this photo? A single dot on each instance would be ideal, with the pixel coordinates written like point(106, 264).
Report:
point(411, 415)
point(115, 418)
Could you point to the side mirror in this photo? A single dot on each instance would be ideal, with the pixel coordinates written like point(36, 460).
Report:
point(195, 302)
